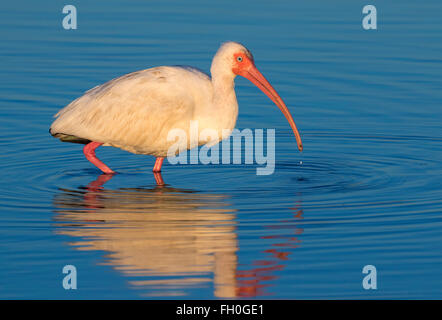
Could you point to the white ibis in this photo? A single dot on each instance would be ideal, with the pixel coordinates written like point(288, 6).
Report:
point(135, 112)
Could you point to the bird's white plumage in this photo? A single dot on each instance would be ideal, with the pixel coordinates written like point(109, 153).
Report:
point(136, 112)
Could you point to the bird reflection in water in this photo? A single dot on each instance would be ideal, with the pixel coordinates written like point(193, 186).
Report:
point(167, 240)
point(252, 281)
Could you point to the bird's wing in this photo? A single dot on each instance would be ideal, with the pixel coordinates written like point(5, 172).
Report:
point(135, 108)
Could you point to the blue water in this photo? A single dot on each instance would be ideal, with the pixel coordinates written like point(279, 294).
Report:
point(367, 190)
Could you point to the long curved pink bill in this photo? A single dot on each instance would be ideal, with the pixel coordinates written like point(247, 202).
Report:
point(261, 82)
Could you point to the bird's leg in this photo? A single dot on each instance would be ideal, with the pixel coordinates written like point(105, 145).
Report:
point(94, 188)
point(97, 184)
point(89, 152)
point(158, 178)
point(157, 171)
point(158, 164)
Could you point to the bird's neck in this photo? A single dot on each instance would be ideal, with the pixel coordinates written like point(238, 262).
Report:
point(223, 87)
point(224, 103)
point(223, 79)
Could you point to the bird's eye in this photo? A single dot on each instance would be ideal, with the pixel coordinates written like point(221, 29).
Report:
point(239, 58)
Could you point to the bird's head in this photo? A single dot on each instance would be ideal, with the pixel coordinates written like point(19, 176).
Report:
point(234, 59)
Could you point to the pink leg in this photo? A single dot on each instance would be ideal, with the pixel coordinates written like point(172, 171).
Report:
point(91, 197)
point(158, 178)
point(89, 152)
point(158, 164)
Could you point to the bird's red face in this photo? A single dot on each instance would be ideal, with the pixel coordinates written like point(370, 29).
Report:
point(245, 66)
